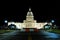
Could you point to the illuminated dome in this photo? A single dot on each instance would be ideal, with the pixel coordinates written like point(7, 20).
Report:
point(29, 13)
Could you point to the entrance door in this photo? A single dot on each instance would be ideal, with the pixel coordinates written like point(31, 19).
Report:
point(27, 29)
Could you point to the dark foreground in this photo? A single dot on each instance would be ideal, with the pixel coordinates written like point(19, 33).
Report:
point(18, 35)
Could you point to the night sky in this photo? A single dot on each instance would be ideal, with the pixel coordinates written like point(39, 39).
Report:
point(16, 10)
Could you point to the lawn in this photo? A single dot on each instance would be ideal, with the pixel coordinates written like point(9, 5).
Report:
point(5, 31)
point(54, 31)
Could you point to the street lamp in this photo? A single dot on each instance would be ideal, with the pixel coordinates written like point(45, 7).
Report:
point(6, 24)
point(5, 21)
point(52, 21)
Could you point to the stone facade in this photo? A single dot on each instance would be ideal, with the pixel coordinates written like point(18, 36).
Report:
point(29, 22)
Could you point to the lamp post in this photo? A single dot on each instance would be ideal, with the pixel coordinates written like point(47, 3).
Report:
point(52, 21)
point(5, 22)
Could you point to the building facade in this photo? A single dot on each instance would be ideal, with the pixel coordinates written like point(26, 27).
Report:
point(29, 22)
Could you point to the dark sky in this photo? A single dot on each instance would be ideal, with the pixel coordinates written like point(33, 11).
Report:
point(16, 10)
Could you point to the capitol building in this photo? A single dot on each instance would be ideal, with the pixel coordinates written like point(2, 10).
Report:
point(29, 22)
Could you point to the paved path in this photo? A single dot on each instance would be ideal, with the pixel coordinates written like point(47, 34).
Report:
point(7, 36)
point(17, 35)
point(49, 34)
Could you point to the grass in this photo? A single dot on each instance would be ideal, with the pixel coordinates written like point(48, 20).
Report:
point(54, 31)
point(5, 31)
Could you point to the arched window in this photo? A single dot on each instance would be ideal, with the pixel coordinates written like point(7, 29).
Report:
point(12, 26)
point(47, 26)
